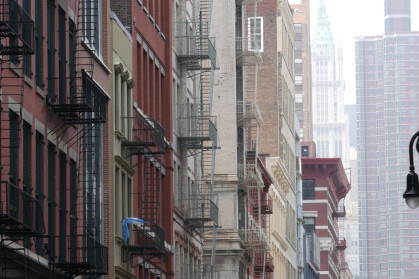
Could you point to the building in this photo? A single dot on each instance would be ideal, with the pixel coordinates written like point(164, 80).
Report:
point(277, 141)
point(302, 67)
point(55, 139)
point(143, 139)
point(386, 110)
point(324, 185)
point(330, 125)
point(195, 139)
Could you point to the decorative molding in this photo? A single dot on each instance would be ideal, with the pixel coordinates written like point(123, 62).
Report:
point(130, 83)
point(119, 68)
point(124, 75)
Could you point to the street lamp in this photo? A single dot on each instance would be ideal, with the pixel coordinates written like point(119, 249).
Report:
point(412, 185)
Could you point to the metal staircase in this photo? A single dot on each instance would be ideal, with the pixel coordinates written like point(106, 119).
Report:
point(85, 107)
point(147, 143)
point(20, 212)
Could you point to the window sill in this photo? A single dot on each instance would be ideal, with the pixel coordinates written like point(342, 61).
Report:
point(40, 92)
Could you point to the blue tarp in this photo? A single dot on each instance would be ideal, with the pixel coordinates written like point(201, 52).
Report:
point(125, 229)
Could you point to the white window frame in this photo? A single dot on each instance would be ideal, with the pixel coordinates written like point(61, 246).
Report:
point(252, 36)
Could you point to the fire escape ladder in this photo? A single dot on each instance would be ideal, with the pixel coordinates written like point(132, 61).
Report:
point(86, 101)
point(85, 254)
point(20, 211)
point(148, 143)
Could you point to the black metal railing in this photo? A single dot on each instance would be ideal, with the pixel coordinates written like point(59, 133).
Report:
point(263, 261)
point(151, 240)
point(84, 255)
point(201, 210)
point(19, 211)
point(88, 106)
point(147, 137)
point(15, 23)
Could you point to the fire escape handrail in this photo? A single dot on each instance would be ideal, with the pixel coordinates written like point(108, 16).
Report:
point(83, 255)
point(147, 137)
point(19, 211)
point(15, 22)
point(87, 106)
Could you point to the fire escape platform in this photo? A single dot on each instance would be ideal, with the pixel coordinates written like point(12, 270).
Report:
point(15, 23)
point(89, 106)
point(18, 211)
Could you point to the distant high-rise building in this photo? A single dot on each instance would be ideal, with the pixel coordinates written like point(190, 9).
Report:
point(387, 93)
point(302, 68)
point(331, 130)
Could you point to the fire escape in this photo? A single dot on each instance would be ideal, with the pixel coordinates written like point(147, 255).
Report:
point(85, 108)
point(255, 201)
point(197, 54)
point(148, 143)
point(20, 209)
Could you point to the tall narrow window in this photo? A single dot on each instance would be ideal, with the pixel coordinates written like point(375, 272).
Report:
point(51, 192)
point(124, 193)
point(14, 126)
point(118, 202)
point(39, 154)
point(63, 205)
point(255, 33)
point(50, 47)
point(62, 49)
point(27, 134)
point(71, 58)
point(38, 43)
point(92, 24)
point(27, 58)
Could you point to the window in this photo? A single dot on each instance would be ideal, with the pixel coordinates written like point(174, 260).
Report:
point(27, 58)
point(63, 209)
point(27, 134)
point(39, 154)
point(92, 24)
point(38, 43)
point(62, 49)
point(51, 190)
point(71, 58)
point(255, 31)
point(14, 124)
point(50, 47)
point(298, 80)
point(308, 189)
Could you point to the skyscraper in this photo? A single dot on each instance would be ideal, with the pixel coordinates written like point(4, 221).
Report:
point(329, 122)
point(387, 92)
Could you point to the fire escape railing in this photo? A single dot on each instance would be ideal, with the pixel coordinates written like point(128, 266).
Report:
point(19, 211)
point(87, 106)
point(147, 137)
point(262, 200)
point(248, 113)
point(263, 261)
point(83, 255)
point(18, 26)
point(194, 45)
point(201, 211)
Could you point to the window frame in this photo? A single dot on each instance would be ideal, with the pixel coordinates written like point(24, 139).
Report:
point(250, 35)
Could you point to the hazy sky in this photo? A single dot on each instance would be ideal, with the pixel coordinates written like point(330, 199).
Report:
point(352, 18)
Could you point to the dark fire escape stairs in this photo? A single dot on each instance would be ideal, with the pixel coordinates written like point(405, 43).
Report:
point(20, 211)
point(148, 143)
point(197, 54)
point(84, 107)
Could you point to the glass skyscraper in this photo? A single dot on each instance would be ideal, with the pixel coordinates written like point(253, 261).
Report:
point(387, 75)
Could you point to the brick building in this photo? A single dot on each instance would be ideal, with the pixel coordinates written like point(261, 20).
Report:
point(324, 185)
point(143, 126)
point(55, 138)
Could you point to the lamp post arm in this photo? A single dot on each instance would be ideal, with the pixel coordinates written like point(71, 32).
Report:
point(412, 141)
